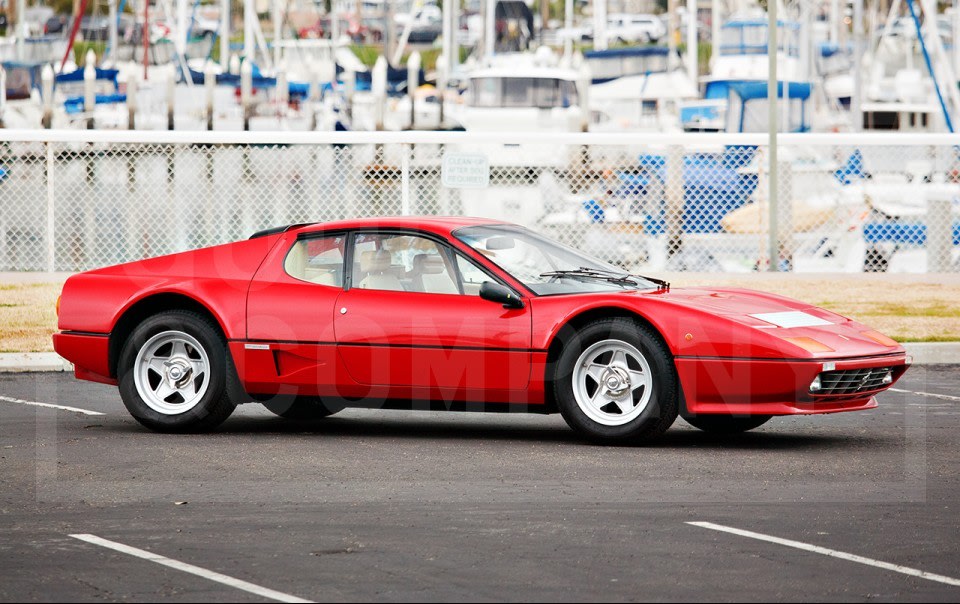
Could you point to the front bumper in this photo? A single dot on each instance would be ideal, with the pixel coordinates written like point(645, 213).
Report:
point(724, 386)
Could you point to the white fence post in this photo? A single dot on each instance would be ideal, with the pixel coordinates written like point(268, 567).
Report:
point(674, 191)
point(405, 205)
point(939, 229)
point(51, 211)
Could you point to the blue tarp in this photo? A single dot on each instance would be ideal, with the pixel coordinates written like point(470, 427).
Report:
point(896, 232)
point(396, 81)
point(713, 187)
point(697, 113)
point(852, 170)
point(828, 49)
point(640, 51)
point(741, 23)
point(753, 89)
point(758, 90)
point(75, 104)
point(107, 75)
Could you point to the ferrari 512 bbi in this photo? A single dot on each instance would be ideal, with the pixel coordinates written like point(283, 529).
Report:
point(454, 313)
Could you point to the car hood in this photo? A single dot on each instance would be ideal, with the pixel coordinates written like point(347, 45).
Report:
point(768, 325)
point(730, 301)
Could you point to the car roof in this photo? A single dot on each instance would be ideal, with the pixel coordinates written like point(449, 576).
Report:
point(435, 224)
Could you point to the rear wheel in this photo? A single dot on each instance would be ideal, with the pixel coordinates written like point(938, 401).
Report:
point(725, 424)
point(172, 373)
point(301, 408)
point(615, 382)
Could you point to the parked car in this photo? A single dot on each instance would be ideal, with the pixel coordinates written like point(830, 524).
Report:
point(628, 28)
point(467, 313)
point(583, 33)
point(58, 24)
point(426, 16)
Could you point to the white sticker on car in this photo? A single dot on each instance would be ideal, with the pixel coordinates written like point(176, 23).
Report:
point(791, 319)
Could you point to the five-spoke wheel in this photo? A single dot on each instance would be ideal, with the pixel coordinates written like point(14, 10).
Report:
point(614, 381)
point(173, 372)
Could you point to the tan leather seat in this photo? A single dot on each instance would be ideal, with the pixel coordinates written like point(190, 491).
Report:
point(430, 275)
point(296, 266)
point(321, 277)
point(375, 265)
point(296, 261)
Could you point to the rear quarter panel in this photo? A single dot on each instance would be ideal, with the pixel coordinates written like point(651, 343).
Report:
point(216, 277)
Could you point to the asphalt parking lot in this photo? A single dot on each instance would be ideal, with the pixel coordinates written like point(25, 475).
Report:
point(404, 506)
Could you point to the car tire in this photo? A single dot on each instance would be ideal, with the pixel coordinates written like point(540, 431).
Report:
point(301, 407)
point(614, 382)
point(726, 424)
point(173, 373)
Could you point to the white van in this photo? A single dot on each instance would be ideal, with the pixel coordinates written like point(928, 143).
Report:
point(633, 28)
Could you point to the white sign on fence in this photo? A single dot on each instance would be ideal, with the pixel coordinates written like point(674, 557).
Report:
point(465, 171)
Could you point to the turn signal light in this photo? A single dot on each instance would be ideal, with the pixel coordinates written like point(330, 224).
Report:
point(58, 305)
point(809, 344)
point(879, 338)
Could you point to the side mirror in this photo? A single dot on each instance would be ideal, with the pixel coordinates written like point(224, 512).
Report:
point(495, 292)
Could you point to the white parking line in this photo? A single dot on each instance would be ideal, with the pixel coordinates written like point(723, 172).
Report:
point(830, 552)
point(189, 568)
point(945, 397)
point(18, 401)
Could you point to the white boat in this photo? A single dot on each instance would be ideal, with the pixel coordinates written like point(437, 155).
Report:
point(742, 59)
point(522, 91)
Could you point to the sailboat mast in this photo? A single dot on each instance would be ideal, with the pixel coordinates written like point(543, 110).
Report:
point(224, 35)
point(23, 29)
point(146, 37)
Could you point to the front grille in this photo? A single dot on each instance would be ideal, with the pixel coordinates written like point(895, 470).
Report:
point(852, 381)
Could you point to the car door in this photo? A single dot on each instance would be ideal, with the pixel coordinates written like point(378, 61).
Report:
point(290, 308)
point(407, 319)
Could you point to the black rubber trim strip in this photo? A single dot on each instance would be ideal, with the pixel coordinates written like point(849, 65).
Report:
point(279, 229)
point(778, 360)
point(370, 345)
point(70, 332)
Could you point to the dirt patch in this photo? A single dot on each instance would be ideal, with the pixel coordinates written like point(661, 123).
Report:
point(28, 316)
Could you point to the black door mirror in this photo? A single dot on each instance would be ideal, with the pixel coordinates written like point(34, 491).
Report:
point(498, 293)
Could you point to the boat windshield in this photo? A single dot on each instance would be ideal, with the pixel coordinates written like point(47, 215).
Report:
point(521, 92)
point(544, 266)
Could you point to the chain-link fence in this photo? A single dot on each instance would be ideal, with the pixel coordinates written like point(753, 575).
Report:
point(76, 200)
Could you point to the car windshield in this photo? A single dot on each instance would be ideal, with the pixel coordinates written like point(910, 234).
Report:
point(545, 266)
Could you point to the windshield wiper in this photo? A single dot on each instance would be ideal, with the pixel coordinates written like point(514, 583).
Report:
point(660, 283)
point(606, 275)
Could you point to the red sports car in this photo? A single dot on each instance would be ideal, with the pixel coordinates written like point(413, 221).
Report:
point(454, 313)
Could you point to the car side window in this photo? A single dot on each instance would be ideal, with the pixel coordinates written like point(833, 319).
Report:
point(472, 276)
point(317, 260)
point(400, 262)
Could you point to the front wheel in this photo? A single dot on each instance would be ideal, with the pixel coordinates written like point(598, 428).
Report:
point(615, 382)
point(725, 424)
point(173, 372)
